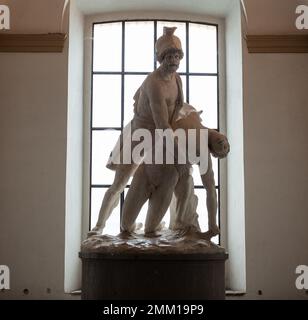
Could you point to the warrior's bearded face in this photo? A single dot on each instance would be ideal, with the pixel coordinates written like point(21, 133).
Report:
point(171, 60)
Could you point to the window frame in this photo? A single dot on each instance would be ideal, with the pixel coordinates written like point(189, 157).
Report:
point(221, 183)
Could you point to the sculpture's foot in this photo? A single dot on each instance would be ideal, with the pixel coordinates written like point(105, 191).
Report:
point(96, 231)
point(152, 233)
point(125, 235)
point(212, 232)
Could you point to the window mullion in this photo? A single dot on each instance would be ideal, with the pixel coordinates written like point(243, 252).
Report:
point(91, 124)
point(122, 74)
point(122, 100)
point(155, 39)
point(187, 61)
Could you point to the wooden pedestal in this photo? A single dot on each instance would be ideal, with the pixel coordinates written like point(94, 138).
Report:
point(153, 276)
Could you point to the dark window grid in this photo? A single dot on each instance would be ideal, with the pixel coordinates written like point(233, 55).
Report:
point(91, 130)
point(122, 102)
point(116, 128)
point(128, 185)
point(144, 73)
point(218, 125)
point(123, 73)
point(157, 20)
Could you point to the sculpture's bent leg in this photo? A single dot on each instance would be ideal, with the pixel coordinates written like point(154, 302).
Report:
point(184, 205)
point(172, 212)
point(185, 186)
point(160, 199)
point(138, 193)
point(112, 196)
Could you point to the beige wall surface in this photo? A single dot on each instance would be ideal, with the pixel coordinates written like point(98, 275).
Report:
point(272, 16)
point(276, 151)
point(33, 129)
point(276, 172)
point(32, 170)
point(36, 16)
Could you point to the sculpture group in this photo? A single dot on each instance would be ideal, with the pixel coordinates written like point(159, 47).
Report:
point(159, 108)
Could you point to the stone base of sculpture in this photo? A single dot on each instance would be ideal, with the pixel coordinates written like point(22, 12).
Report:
point(169, 265)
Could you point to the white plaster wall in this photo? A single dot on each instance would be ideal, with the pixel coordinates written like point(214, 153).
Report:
point(74, 165)
point(236, 275)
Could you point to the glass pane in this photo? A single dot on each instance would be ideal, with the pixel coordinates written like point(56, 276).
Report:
point(180, 32)
point(196, 176)
point(202, 48)
point(215, 169)
point(202, 212)
point(107, 47)
point(132, 83)
point(103, 143)
point(106, 101)
point(196, 173)
point(113, 223)
point(184, 86)
point(143, 212)
point(139, 46)
point(203, 96)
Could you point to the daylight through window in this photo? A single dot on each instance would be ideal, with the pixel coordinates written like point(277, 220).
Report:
point(123, 55)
